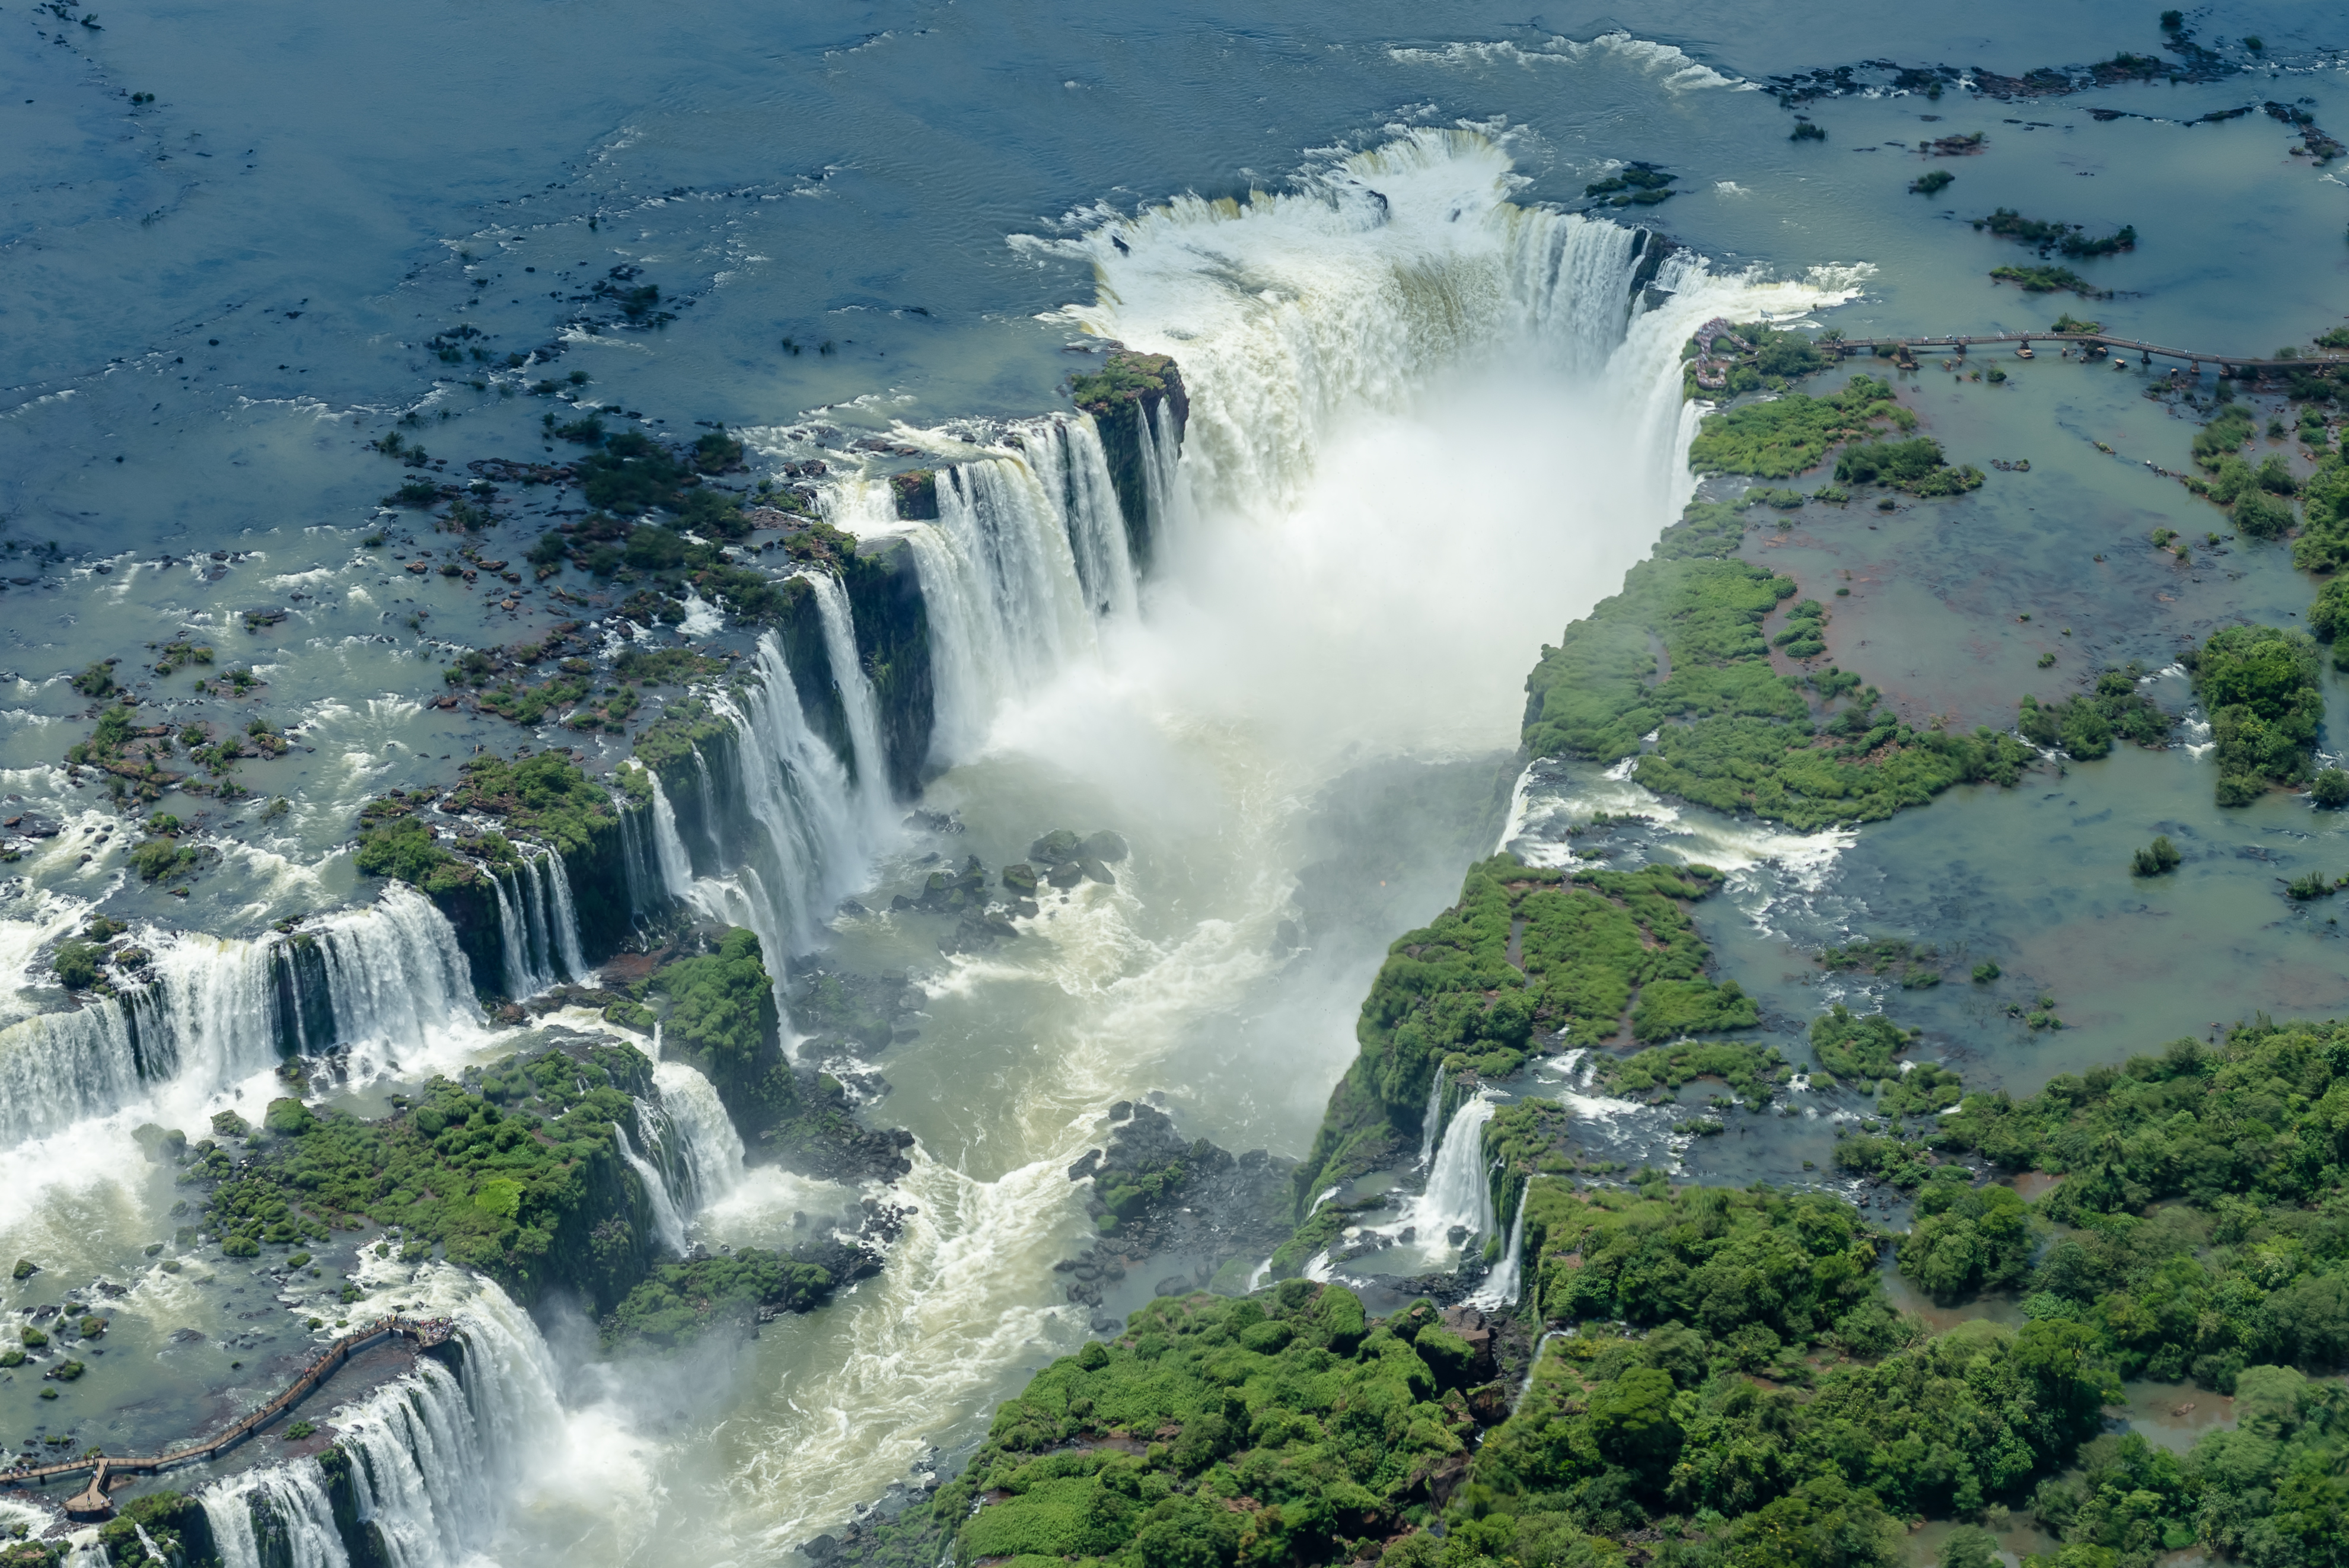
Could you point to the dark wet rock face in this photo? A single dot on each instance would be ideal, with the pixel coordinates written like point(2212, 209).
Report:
point(1156, 1193)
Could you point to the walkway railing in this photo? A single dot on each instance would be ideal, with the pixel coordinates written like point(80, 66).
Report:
point(426, 1333)
point(2225, 362)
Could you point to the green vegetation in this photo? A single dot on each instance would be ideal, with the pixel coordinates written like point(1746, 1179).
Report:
point(1849, 1045)
point(1966, 1239)
point(75, 963)
point(1124, 377)
point(2156, 859)
point(1749, 357)
point(1765, 1409)
point(161, 1519)
point(2330, 788)
point(2204, 1186)
point(1281, 1429)
point(718, 1014)
point(158, 858)
point(2071, 238)
point(1597, 953)
point(2323, 545)
point(1639, 185)
point(1617, 1432)
point(1932, 183)
point(2085, 725)
point(546, 797)
point(394, 843)
point(1753, 1073)
point(678, 1301)
point(1734, 734)
point(519, 1175)
point(1916, 965)
point(1781, 439)
point(2049, 280)
point(2260, 686)
point(1914, 466)
point(685, 724)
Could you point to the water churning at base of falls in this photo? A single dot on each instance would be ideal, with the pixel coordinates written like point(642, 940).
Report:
point(1426, 430)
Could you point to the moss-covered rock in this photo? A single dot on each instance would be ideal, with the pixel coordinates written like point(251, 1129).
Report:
point(518, 1175)
point(1125, 397)
point(718, 1014)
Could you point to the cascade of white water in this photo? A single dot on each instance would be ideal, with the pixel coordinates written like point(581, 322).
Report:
point(999, 581)
point(1432, 1123)
point(817, 846)
point(1501, 1286)
point(531, 893)
point(564, 916)
point(394, 971)
point(675, 866)
point(58, 1068)
point(1068, 457)
point(1161, 455)
point(855, 688)
point(668, 1226)
point(433, 1459)
point(1458, 1193)
point(278, 1517)
point(512, 942)
point(212, 1014)
point(709, 1151)
point(1356, 290)
point(418, 1468)
point(708, 810)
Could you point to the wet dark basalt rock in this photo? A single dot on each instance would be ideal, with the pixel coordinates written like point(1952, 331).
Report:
point(1157, 1193)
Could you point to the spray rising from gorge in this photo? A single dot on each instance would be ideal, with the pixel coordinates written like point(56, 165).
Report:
point(1380, 347)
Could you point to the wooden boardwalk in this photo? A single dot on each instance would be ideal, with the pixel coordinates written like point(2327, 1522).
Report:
point(2225, 362)
point(90, 1503)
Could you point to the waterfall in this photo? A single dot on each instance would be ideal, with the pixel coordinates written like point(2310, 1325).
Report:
point(1459, 1190)
point(634, 862)
point(667, 1224)
point(279, 1517)
point(1077, 480)
point(214, 1012)
point(708, 810)
point(416, 1468)
point(870, 763)
point(1433, 1121)
point(708, 1150)
point(1501, 1287)
point(522, 976)
point(1162, 453)
point(58, 1068)
point(1000, 578)
point(675, 866)
point(815, 845)
point(533, 896)
point(564, 916)
point(433, 1457)
point(394, 971)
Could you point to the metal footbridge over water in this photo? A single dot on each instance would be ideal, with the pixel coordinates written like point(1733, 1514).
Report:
point(92, 1503)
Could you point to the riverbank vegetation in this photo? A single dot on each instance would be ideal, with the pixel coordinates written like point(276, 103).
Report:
point(1788, 435)
point(1581, 958)
point(2071, 238)
point(1681, 654)
point(516, 1174)
point(2085, 724)
point(1736, 1390)
point(2260, 686)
